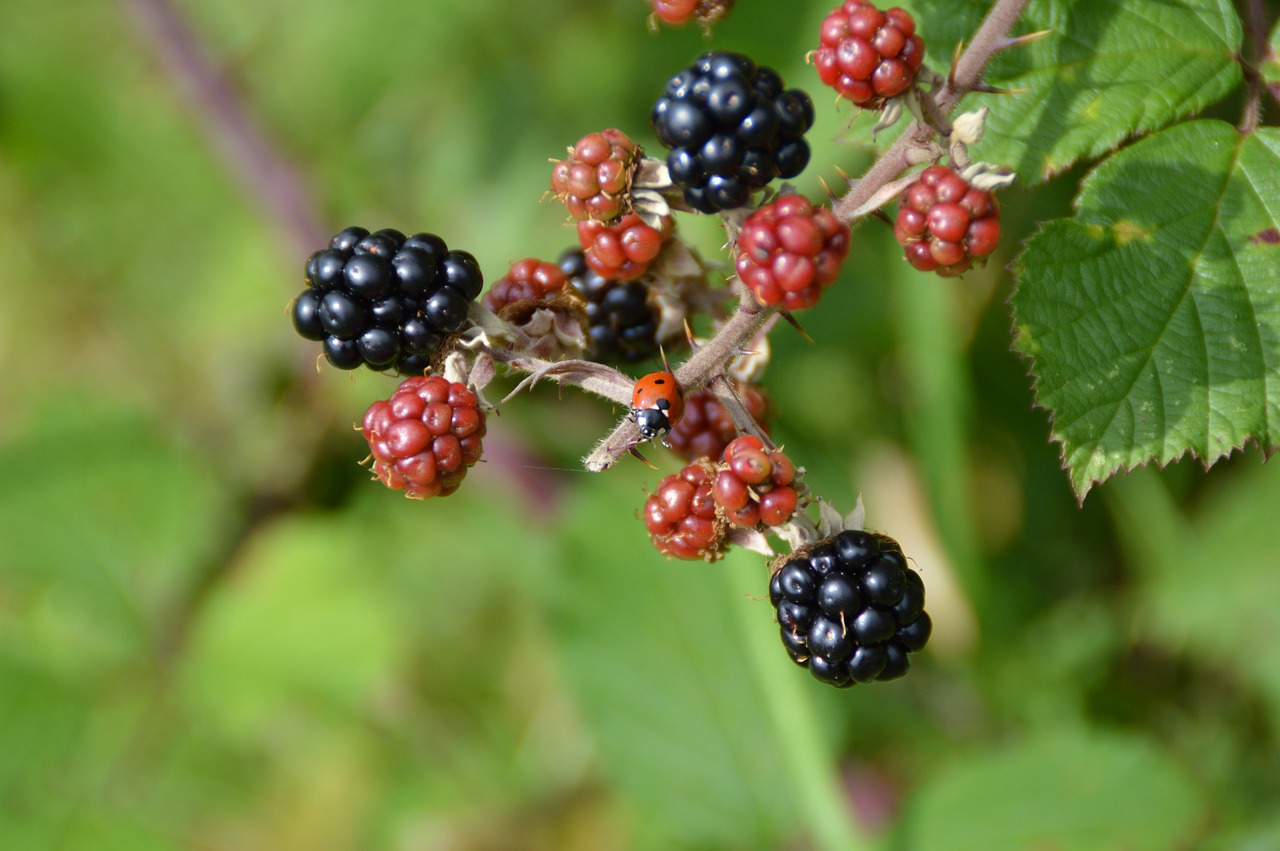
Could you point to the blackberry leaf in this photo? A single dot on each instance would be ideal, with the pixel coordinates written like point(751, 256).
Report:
point(1153, 318)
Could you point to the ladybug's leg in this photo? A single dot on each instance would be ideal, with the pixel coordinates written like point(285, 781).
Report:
point(636, 452)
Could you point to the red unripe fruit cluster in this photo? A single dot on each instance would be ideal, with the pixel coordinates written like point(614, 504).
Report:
point(706, 427)
point(625, 250)
point(867, 55)
point(425, 436)
point(944, 223)
point(753, 485)
point(529, 280)
point(681, 515)
point(594, 181)
point(789, 251)
point(679, 12)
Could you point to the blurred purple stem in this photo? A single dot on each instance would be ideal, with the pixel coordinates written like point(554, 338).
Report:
point(271, 180)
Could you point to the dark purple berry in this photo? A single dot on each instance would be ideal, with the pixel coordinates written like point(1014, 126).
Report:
point(915, 635)
point(341, 315)
point(368, 276)
point(342, 352)
point(306, 316)
point(345, 240)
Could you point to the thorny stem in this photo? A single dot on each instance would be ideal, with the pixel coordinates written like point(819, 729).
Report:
point(1257, 26)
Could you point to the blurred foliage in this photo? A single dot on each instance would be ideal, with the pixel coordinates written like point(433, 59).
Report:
point(215, 633)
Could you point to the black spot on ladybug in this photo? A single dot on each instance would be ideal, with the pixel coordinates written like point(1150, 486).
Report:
point(659, 381)
point(1270, 236)
point(663, 405)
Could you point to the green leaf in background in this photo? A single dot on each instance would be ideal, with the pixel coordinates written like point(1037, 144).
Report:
point(1107, 71)
point(1210, 580)
point(1153, 318)
point(1075, 790)
point(651, 647)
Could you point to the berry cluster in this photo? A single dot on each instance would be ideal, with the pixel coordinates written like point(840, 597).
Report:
point(527, 283)
point(593, 182)
point(622, 251)
point(385, 300)
point(681, 515)
point(677, 12)
point(425, 436)
point(944, 223)
point(850, 609)
point(706, 427)
point(789, 251)
point(753, 485)
point(621, 323)
point(867, 55)
point(731, 129)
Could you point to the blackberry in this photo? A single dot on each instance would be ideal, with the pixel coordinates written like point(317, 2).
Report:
point(594, 181)
point(681, 516)
point(731, 128)
point(867, 55)
point(385, 300)
point(425, 436)
point(679, 12)
point(850, 609)
point(945, 224)
point(789, 251)
point(622, 325)
point(753, 485)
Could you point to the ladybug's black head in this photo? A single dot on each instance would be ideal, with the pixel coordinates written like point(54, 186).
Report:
point(653, 422)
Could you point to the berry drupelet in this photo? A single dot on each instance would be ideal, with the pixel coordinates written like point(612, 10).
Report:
point(385, 300)
point(731, 128)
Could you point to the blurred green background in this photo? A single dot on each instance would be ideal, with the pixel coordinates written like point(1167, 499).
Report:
point(216, 633)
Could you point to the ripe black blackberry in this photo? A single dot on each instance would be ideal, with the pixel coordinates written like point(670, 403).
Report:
point(850, 609)
point(621, 323)
point(731, 129)
point(384, 299)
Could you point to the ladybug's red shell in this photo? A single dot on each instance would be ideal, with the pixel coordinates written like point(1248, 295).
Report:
point(657, 402)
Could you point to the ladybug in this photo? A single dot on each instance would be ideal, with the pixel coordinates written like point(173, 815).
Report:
point(657, 402)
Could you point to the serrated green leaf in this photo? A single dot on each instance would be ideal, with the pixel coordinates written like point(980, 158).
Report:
point(649, 646)
point(1153, 317)
point(1107, 70)
point(1075, 790)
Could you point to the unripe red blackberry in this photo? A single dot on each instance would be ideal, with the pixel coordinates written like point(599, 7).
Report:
point(731, 129)
point(622, 251)
point(594, 181)
point(850, 609)
point(385, 300)
point(528, 282)
point(678, 12)
point(622, 323)
point(944, 223)
point(681, 515)
point(425, 436)
point(753, 484)
point(706, 427)
point(867, 55)
point(789, 251)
